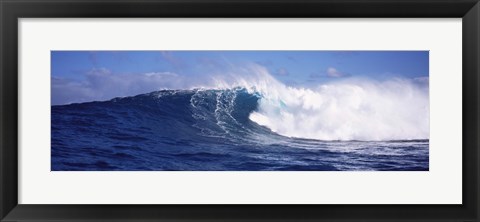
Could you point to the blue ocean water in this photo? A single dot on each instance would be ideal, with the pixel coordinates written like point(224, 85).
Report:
point(205, 130)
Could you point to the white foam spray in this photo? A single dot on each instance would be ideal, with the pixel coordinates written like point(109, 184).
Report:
point(352, 109)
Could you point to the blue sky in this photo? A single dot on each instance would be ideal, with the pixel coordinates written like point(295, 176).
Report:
point(79, 76)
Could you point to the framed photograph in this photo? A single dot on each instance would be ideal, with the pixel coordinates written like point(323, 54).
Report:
point(225, 110)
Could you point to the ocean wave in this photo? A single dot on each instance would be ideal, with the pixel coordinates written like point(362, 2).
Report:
point(352, 109)
point(260, 106)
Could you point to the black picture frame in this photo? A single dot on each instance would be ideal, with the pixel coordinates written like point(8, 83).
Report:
point(12, 10)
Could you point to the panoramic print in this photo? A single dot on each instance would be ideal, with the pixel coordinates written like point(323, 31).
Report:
point(240, 110)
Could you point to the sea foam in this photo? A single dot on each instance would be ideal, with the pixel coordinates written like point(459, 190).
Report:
point(350, 109)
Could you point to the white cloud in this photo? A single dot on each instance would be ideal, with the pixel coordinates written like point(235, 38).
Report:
point(332, 72)
point(329, 73)
point(102, 84)
point(282, 72)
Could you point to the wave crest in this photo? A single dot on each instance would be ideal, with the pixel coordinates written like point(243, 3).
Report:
point(353, 109)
